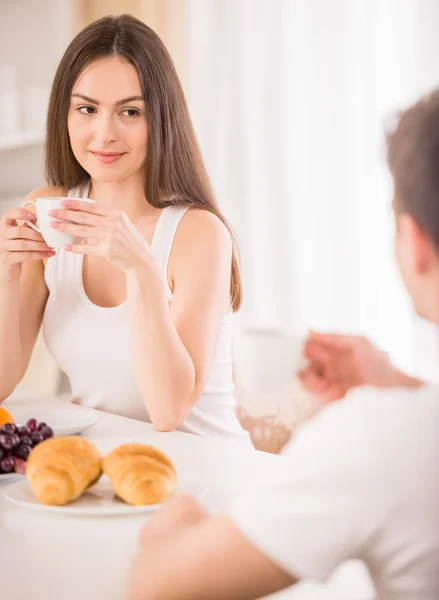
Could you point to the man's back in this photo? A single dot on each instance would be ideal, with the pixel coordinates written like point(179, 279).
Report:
point(403, 558)
point(360, 481)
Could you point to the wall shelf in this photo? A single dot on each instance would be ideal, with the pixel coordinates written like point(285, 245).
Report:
point(25, 139)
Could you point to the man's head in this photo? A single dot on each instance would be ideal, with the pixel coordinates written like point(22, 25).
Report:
point(413, 158)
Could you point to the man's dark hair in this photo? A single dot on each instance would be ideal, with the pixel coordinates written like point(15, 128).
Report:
point(413, 158)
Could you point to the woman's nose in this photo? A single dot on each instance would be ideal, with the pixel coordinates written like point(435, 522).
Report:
point(104, 129)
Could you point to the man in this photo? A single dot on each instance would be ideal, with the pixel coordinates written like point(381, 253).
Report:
point(360, 480)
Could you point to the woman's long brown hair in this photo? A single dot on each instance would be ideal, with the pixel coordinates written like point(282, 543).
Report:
point(174, 167)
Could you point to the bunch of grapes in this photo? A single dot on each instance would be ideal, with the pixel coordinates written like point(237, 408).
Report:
point(17, 442)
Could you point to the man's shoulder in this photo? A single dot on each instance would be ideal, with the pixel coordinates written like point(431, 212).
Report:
point(379, 407)
point(371, 422)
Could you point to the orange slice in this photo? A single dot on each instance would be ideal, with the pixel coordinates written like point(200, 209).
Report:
point(5, 417)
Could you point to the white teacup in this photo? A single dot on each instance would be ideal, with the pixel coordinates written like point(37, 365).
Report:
point(268, 393)
point(267, 360)
point(52, 237)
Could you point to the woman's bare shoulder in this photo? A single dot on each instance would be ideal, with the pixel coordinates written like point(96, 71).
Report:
point(48, 191)
point(203, 226)
point(200, 237)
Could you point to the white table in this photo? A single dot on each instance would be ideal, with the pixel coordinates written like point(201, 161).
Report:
point(50, 557)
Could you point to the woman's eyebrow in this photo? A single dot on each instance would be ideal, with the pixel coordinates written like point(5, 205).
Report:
point(118, 103)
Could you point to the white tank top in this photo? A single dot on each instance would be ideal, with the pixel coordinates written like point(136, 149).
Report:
point(91, 344)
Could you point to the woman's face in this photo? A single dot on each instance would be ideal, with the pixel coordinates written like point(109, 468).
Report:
point(107, 121)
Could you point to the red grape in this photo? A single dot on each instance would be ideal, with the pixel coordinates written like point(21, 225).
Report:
point(25, 439)
point(46, 432)
point(9, 441)
point(7, 465)
point(36, 437)
point(9, 428)
point(23, 430)
point(32, 424)
point(22, 451)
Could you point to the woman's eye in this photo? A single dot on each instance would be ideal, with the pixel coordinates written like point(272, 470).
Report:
point(131, 112)
point(87, 110)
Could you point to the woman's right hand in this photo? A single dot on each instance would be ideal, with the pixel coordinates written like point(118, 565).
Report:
point(20, 243)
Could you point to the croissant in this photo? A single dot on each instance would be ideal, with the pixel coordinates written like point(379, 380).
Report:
point(61, 469)
point(140, 474)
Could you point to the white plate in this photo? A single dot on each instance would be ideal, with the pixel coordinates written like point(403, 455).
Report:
point(8, 476)
point(64, 420)
point(99, 500)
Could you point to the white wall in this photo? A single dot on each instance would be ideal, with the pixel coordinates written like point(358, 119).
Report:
point(33, 35)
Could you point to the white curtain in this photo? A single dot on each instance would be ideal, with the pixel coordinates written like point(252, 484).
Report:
point(290, 99)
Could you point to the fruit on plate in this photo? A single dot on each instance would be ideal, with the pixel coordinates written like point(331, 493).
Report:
point(5, 416)
point(16, 443)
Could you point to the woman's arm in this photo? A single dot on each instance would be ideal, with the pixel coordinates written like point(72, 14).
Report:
point(23, 293)
point(174, 345)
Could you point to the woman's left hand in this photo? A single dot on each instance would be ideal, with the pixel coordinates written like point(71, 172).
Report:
point(107, 233)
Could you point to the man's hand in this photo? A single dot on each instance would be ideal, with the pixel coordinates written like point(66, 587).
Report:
point(182, 511)
point(338, 363)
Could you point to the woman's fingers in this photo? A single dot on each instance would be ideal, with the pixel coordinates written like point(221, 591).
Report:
point(21, 257)
point(82, 231)
point(24, 232)
point(13, 214)
point(77, 216)
point(21, 243)
point(25, 246)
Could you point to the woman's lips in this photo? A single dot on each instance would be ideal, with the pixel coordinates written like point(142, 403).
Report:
point(108, 158)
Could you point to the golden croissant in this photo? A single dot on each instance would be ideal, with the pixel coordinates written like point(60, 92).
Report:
point(61, 469)
point(140, 474)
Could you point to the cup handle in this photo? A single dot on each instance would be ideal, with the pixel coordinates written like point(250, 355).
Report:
point(30, 222)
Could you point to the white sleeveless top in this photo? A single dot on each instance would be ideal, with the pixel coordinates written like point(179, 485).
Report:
point(92, 345)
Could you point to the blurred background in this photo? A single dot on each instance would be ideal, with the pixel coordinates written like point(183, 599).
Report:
point(290, 99)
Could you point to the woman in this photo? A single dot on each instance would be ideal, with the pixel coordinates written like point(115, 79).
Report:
point(138, 315)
